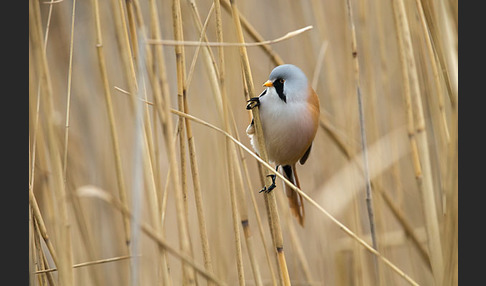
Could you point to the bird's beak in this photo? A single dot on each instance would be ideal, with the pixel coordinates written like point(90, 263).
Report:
point(268, 83)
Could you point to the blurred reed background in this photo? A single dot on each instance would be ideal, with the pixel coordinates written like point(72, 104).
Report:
point(124, 192)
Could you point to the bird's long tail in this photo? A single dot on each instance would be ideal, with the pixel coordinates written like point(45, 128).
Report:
point(296, 201)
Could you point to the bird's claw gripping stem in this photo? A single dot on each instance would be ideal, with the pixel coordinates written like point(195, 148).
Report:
point(271, 187)
point(252, 103)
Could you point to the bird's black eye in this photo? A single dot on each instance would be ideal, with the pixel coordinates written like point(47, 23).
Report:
point(281, 80)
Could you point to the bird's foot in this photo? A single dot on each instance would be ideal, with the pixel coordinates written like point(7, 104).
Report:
point(271, 187)
point(252, 103)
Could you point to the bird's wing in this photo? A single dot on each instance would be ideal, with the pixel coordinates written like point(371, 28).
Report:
point(306, 155)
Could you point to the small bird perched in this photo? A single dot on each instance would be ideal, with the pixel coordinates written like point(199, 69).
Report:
point(289, 114)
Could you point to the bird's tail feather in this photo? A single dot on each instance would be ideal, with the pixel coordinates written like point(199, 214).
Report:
point(296, 201)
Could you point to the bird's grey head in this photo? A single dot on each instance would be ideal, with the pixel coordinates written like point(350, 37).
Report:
point(289, 81)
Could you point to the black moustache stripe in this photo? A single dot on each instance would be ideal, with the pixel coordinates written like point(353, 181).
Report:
point(279, 87)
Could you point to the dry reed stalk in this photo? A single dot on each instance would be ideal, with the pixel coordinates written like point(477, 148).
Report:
point(235, 209)
point(183, 123)
point(447, 38)
point(374, 132)
point(150, 69)
point(243, 211)
point(235, 217)
point(80, 219)
point(191, 142)
point(137, 175)
point(158, 209)
point(63, 233)
point(408, 108)
point(435, 69)
point(295, 240)
point(360, 267)
point(232, 155)
point(314, 203)
point(364, 147)
point(424, 179)
point(137, 28)
point(111, 117)
point(163, 109)
point(125, 49)
point(451, 214)
point(89, 263)
point(255, 207)
point(145, 67)
point(274, 220)
point(68, 101)
point(131, 16)
point(354, 48)
point(225, 44)
point(181, 94)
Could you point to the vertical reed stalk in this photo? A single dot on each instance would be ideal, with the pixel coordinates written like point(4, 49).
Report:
point(68, 102)
point(296, 242)
point(111, 117)
point(272, 203)
point(435, 69)
point(125, 50)
point(451, 227)
point(78, 210)
point(257, 212)
point(193, 155)
point(181, 76)
point(236, 214)
point(163, 103)
point(364, 147)
point(166, 125)
point(227, 116)
point(424, 177)
point(131, 16)
point(188, 273)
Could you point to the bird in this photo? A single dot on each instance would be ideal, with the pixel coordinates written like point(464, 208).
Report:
point(289, 111)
